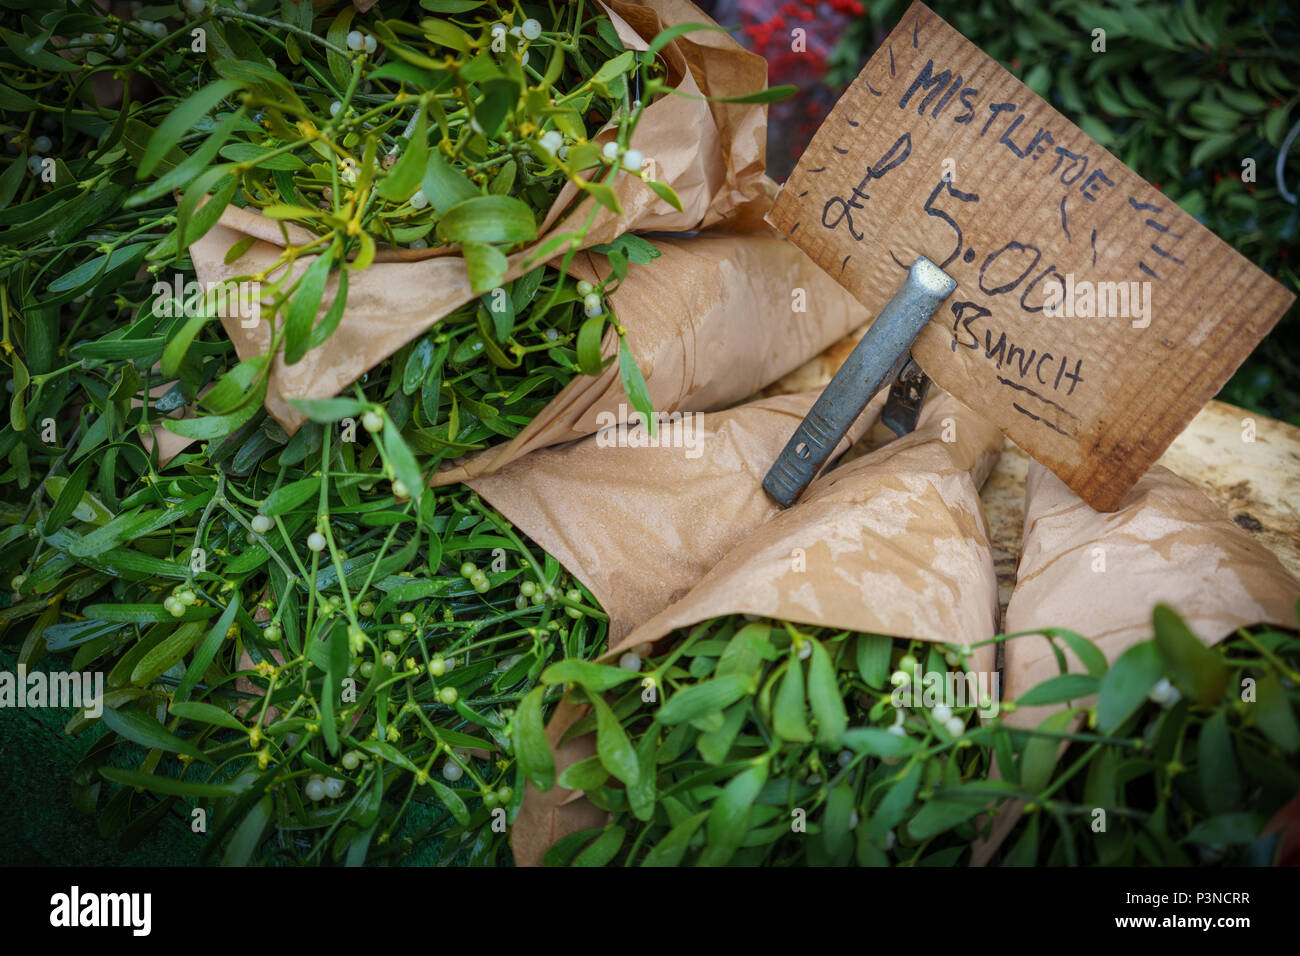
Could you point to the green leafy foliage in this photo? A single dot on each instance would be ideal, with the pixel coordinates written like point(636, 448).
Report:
point(345, 705)
point(1130, 773)
point(769, 749)
point(365, 150)
point(246, 670)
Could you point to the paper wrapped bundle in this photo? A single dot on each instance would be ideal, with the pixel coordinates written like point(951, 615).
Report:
point(894, 542)
point(712, 154)
point(1101, 574)
point(641, 524)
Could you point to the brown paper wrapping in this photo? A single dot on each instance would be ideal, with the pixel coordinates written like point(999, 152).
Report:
point(641, 526)
point(712, 154)
point(894, 542)
point(710, 323)
point(1167, 543)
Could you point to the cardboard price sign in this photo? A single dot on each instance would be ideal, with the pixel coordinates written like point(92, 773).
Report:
point(1092, 318)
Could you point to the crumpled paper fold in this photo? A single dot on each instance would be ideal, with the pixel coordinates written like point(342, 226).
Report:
point(712, 154)
point(640, 526)
point(710, 322)
point(1101, 575)
point(894, 542)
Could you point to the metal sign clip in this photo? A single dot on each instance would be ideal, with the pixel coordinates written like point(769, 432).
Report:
point(882, 356)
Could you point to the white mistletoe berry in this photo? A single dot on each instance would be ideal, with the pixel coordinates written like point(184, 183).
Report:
point(1165, 694)
point(551, 141)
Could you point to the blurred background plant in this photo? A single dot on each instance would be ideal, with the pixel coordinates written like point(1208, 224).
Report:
point(1184, 94)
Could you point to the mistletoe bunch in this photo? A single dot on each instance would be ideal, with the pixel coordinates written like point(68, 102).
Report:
point(759, 743)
